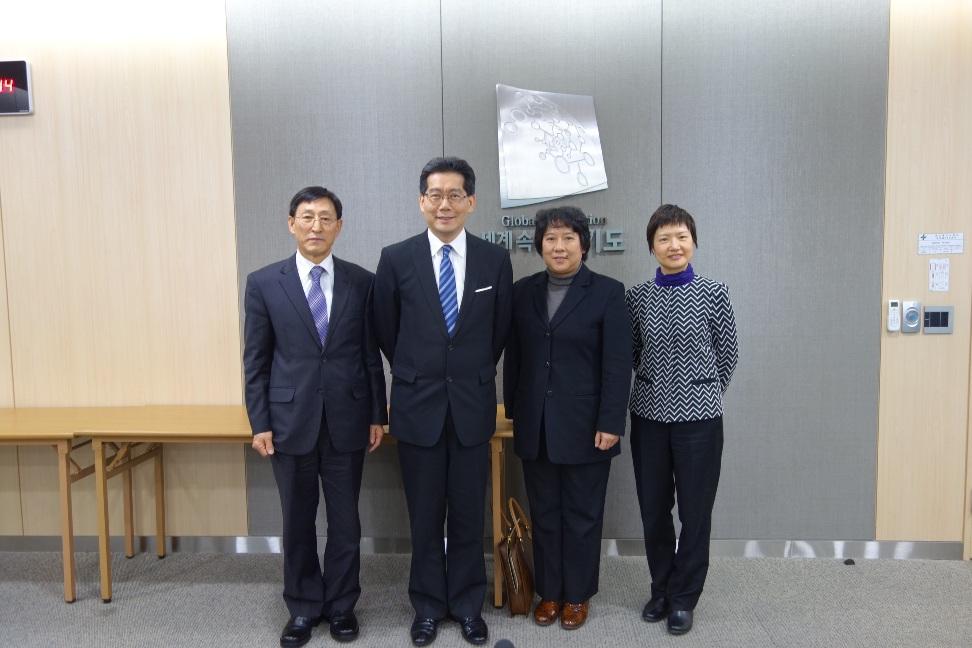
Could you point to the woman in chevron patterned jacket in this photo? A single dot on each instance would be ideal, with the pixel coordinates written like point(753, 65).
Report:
point(684, 339)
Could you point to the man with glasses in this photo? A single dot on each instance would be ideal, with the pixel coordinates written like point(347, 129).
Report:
point(442, 306)
point(315, 396)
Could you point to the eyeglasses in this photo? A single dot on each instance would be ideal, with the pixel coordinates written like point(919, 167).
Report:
point(454, 197)
point(327, 222)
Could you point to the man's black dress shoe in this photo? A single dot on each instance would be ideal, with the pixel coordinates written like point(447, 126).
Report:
point(424, 630)
point(344, 626)
point(297, 632)
point(655, 610)
point(474, 629)
point(679, 622)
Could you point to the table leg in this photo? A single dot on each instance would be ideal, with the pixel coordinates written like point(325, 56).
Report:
point(496, 466)
point(129, 525)
point(159, 505)
point(67, 519)
point(101, 493)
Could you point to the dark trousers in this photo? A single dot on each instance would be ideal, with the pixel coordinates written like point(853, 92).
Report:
point(683, 459)
point(567, 514)
point(312, 587)
point(446, 485)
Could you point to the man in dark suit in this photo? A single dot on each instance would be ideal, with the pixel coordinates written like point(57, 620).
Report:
point(315, 396)
point(442, 313)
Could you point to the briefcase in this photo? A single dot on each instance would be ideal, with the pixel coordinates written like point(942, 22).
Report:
point(516, 552)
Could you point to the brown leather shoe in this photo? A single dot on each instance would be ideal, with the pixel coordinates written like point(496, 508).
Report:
point(573, 615)
point(546, 612)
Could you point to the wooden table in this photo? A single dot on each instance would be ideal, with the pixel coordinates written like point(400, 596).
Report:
point(55, 426)
point(504, 430)
point(124, 437)
point(135, 435)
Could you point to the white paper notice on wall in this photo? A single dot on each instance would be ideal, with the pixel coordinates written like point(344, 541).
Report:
point(947, 243)
point(938, 275)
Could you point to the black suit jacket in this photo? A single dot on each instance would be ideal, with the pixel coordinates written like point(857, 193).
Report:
point(431, 372)
point(291, 381)
point(573, 373)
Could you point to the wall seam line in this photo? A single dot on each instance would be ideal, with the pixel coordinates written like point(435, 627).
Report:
point(441, 79)
point(661, 104)
point(882, 336)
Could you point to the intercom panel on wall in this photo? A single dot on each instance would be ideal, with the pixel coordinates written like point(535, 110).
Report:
point(911, 317)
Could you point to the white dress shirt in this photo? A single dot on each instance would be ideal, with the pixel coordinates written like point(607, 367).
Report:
point(457, 256)
point(304, 267)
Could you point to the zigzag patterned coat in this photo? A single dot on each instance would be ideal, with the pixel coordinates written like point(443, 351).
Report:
point(685, 349)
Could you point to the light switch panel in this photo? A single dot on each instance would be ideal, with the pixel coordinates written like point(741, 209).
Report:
point(938, 319)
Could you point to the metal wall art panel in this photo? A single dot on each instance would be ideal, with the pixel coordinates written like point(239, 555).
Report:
point(549, 146)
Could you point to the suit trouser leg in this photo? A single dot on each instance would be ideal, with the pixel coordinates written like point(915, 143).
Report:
point(567, 512)
point(584, 487)
point(298, 483)
point(423, 472)
point(697, 459)
point(466, 519)
point(446, 476)
point(543, 488)
point(651, 454)
point(341, 481)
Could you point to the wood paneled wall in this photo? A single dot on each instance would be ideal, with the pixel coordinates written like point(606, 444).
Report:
point(120, 246)
point(11, 517)
point(924, 408)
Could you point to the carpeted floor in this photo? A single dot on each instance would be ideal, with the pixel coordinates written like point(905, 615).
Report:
point(234, 601)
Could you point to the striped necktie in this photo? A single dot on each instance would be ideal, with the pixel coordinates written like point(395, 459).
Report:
point(447, 291)
point(318, 303)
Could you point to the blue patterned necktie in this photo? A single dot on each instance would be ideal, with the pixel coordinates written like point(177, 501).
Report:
point(318, 303)
point(447, 291)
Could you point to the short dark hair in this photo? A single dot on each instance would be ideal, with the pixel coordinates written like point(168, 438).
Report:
point(310, 194)
point(449, 165)
point(565, 216)
point(670, 215)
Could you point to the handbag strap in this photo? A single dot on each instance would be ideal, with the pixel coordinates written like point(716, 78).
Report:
point(519, 519)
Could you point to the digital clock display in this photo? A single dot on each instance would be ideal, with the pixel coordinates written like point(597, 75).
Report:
point(15, 95)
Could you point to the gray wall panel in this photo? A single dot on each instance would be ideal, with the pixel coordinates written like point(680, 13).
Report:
point(766, 121)
point(342, 94)
point(609, 50)
point(774, 121)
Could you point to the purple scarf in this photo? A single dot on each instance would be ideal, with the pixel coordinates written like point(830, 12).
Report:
point(677, 279)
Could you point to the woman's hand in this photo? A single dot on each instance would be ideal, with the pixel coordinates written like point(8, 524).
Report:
point(605, 441)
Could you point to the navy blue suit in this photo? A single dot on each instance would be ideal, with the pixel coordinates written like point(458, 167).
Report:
point(443, 410)
point(319, 402)
point(564, 379)
point(569, 376)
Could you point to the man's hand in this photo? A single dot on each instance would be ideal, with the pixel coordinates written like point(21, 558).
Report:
point(605, 441)
point(263, 443)
point(377, 432)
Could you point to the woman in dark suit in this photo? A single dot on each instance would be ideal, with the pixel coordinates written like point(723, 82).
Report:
point(684, 338)
point(566, 380)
